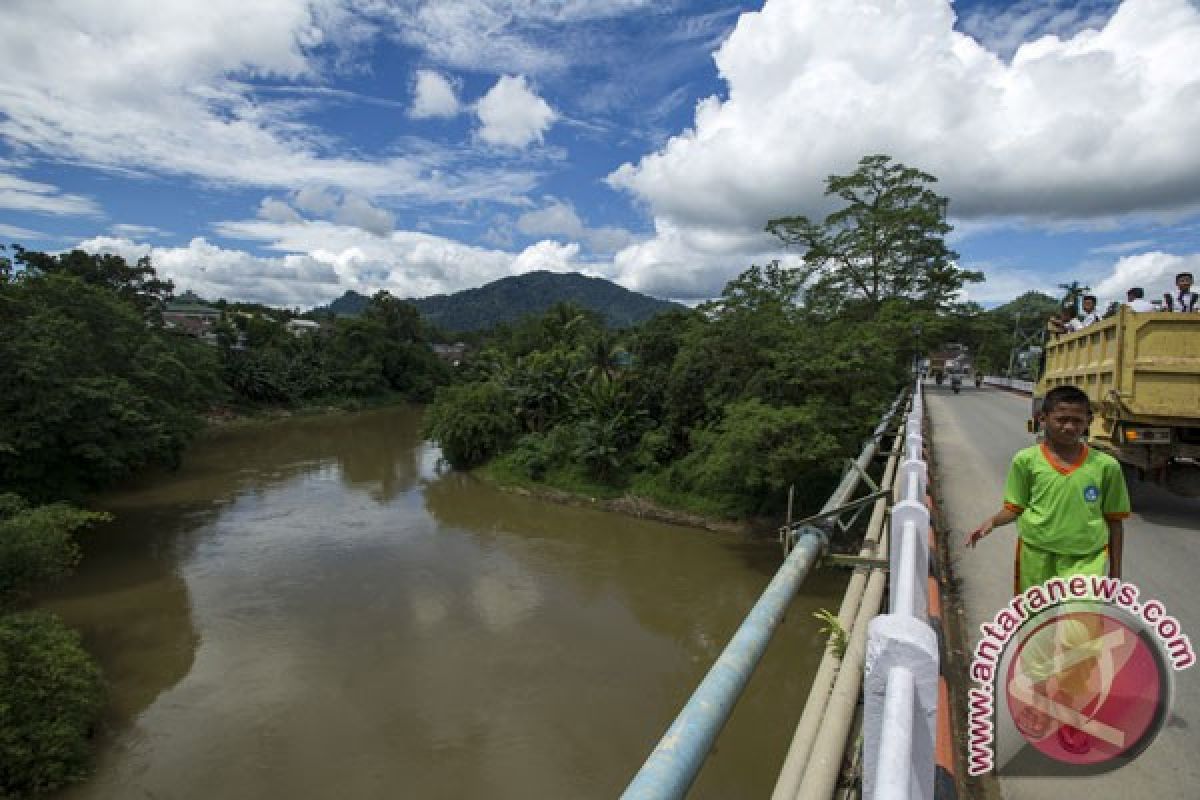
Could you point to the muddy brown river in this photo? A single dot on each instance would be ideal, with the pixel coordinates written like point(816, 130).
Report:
point(312, 608)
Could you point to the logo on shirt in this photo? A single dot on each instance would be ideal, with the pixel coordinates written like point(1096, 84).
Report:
point(1091, 494)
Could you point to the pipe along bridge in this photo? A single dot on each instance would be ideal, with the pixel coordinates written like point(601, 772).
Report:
point(890, 661)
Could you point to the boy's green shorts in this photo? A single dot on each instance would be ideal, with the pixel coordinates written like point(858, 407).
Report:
point(1035, 565)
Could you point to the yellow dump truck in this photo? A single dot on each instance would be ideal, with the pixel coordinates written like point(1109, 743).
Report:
point(1142, 373)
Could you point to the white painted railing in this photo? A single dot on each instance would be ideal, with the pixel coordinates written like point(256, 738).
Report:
point(901, 685)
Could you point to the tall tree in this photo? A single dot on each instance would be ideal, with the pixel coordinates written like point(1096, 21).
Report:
point(886, 241)
point(136, 283)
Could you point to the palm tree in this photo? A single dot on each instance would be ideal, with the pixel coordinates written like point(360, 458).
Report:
point(1074, 291)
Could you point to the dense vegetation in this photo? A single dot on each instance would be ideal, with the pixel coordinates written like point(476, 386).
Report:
point(508, 300)
point(720, 408)
point(50, 692)
point(94, 387)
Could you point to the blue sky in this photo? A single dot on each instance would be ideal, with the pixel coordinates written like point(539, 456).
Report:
point(287, 150)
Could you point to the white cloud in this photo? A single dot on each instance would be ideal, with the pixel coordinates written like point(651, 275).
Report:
point(276, 210)
point(160, 87)
point(1155, 272)
point(130, 230)
point(19, 194)
point(1122, 247)
point(214, 272)
point(14, 232)
point(1002, 285)
point(406, 263)
point(433, 96)
point(512, 115)
point(316, 200)
point(356, 210)
point(548, 255)
point(690, 264)
point(346, 208)
point(499, 35)
point(558, 217)
point(1097, 125)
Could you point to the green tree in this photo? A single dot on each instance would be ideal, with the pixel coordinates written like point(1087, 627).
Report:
point(89, 393)
point(471, 422)
point(50, 692)
point(887, 240)
point(136, 283)
point(749, 458)
point(50, 700)
point(37, 545)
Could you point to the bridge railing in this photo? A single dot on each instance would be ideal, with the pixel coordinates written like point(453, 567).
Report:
point(1009, 383)
point(900, 689)
point(679, 755)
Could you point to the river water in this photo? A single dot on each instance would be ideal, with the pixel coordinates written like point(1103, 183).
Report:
point(312, 608)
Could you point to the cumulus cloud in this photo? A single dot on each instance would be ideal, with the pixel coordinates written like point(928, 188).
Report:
point(316, 200)
point(406, 263)
point(277, 210)
point(19, 194)
point(214, 272)
point(345, 208)
point(547, 255)
point(1155, 272)
point(356, 210)
point(559, 218)
point(512, 115)
point(433, 96)
point(691, 264)
point(160, 87)
point(1099, 124)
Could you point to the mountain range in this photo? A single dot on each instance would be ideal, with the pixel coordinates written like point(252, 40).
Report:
point(510, 299)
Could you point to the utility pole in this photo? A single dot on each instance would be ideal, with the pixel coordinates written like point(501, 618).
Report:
point(1012, 352)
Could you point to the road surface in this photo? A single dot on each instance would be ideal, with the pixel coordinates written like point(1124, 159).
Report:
point(975, 434)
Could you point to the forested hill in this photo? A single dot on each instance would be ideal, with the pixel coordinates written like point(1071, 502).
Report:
point(510, 299)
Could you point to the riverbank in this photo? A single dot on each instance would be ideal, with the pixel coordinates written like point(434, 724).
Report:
point(225, 417)
point(572, 490)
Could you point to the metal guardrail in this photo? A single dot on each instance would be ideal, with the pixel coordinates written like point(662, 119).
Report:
point(1009, 383)
point(900, 690)
point(679, 755)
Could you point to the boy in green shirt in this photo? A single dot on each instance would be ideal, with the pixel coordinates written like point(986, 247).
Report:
point(1068, 499)
point(1069, 502)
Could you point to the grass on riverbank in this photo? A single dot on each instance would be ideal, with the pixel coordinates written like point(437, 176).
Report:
point(645, 495)
point(244, 413)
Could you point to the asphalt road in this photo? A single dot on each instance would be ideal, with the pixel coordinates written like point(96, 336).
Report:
point(975, 435)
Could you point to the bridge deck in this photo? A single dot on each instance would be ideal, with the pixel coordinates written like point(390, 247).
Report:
point(974, 436)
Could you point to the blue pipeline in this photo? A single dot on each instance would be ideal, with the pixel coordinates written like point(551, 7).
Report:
point(678, 757)
point(675, 762)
